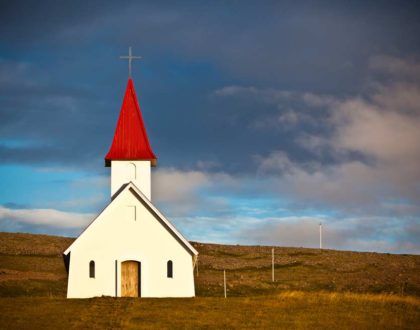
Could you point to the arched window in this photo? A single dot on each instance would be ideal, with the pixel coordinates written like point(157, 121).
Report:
point(131, 171)
point(169, 269)
point(92, 269)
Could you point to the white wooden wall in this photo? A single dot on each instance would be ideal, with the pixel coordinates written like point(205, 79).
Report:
point(137, 171)
point(126, 230)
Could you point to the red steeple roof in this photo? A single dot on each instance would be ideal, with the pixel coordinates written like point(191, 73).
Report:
point(130, 138)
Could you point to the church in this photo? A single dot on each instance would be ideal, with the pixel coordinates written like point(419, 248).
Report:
point(130, 249)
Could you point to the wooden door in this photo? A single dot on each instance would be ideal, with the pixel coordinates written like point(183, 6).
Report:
point(130, 279)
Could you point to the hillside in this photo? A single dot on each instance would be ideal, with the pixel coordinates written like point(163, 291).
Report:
point(37, 260)
point(32, 275)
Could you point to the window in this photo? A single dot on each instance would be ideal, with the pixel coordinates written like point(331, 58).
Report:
point(92, 269)
point(169, 269)
point(131, 172)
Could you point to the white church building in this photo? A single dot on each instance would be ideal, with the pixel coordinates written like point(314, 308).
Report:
point(130, 249)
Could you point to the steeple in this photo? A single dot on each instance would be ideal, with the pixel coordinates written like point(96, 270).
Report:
point(130, 139)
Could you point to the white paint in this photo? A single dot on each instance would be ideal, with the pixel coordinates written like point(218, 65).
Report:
point(136, 171)
point(131, 213)
point(148, 238)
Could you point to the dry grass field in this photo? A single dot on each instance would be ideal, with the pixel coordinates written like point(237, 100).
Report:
point(314, 289)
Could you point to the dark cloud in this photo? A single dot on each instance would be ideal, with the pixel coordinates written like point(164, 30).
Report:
point(61, 77)
point(312, 103)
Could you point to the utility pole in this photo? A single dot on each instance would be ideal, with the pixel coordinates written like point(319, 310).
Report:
point(272, 264)
point(320, 235)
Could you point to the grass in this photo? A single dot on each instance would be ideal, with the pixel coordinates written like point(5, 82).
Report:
point(314, 289)
point(288, 310)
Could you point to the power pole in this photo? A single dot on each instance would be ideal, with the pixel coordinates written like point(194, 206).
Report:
point(272, 264)
point(320, 235)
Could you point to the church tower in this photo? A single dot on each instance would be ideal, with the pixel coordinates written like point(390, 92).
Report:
point(130, 156)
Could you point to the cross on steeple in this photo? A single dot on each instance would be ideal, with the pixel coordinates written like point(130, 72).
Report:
point(129, 58)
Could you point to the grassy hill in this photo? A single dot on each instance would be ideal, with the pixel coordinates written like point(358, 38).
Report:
point(313, 289)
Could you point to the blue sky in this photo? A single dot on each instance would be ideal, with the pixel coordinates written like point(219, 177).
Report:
point(266, 117)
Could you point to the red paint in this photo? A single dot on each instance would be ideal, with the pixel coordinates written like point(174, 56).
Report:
point(130, 139)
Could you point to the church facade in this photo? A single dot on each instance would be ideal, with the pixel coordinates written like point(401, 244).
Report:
point(130, 249)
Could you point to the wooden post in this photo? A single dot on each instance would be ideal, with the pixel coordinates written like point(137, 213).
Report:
point(224, 280)
point(320, 235)
point(272, 264)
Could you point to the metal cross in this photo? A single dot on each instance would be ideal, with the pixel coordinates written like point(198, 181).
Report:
point(129, 58)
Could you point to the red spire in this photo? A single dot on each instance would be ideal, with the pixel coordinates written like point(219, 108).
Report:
point(130, 138)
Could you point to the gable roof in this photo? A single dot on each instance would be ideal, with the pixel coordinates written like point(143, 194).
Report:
point(152, 209)
point(130, 138)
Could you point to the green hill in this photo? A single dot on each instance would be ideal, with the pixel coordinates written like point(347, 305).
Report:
point(365, 288)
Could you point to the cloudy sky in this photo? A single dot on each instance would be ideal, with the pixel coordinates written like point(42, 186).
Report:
point(267, 118)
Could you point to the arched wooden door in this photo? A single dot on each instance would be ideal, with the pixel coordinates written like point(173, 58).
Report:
point(130, 279)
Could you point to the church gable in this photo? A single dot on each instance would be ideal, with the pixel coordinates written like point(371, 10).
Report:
point(130, 214)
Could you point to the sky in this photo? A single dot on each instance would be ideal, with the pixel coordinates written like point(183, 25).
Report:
point(267, 118)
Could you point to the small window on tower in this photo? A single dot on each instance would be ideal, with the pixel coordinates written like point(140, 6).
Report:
point(169, 269)
point(92, 269)
point(131, 171)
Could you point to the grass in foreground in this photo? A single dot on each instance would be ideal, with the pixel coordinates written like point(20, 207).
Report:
point(288, 310)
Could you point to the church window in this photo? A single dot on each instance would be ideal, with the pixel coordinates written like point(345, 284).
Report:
point(169, 269)
point(131, 171)
point(92, 269)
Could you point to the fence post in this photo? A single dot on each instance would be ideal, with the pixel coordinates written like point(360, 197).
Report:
point(272, 264)
point(224, 280)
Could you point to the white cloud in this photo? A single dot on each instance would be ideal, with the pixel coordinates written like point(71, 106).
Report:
point(319, 101)
point(235, 90)
point(208, 165)
point(399, 96)
point(383, 129)
point(171, 185)
point(277, 162)
point(277, 96)
point(287, 231)
point(359, 234)
point(268, 95)
point(46, 217)
point(92, 201)
point(292, 108)
point(388, 135)
point(179, 191)
point(395, 66)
